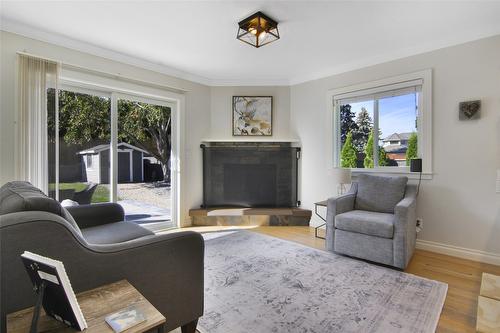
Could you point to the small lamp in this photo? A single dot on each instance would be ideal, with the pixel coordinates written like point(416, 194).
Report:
point(342, 176)
point(416, 166)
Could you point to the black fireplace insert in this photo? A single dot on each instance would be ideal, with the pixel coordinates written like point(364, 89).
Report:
point(250, 174)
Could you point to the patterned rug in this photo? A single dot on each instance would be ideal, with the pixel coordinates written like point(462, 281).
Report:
point(258, 283)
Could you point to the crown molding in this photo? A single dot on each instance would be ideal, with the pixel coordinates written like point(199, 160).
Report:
point(250, 83)
point(393, 56)
point(63, 41)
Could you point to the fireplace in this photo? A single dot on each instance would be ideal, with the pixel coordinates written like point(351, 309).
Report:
point(250, 174)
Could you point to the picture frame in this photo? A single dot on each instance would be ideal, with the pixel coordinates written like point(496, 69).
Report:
point(252, 116)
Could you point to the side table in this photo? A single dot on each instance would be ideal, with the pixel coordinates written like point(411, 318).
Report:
point(323, 203)
point(96, 304)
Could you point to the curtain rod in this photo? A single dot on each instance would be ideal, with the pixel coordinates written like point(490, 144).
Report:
point(107, 74)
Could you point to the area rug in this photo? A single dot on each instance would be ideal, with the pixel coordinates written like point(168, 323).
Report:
point(258, 283)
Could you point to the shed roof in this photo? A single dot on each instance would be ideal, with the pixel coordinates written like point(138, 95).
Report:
point(103, 147)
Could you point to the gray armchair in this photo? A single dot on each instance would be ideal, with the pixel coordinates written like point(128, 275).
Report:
point(97, 248)
point(375, 220)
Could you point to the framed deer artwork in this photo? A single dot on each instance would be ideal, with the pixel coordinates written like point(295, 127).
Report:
point(252, 115)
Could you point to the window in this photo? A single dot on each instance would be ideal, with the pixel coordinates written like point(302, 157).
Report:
point(381, 126)
point(89, 161)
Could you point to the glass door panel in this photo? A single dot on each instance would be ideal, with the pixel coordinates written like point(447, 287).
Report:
point(84, 148)
point(144, 143)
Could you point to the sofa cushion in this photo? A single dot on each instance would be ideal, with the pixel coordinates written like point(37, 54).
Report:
point(18, 196)
point(379, 194)
point(114, 233)
point(365, 222)
point(68, 217)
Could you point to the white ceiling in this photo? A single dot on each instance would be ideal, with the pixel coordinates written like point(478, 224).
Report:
point(197, 40)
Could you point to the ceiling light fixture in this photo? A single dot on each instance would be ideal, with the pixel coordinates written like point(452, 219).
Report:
point(258, 30)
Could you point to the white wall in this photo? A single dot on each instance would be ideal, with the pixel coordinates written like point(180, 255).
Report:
point(197, 106)
point(459, 205)
point(221, 111)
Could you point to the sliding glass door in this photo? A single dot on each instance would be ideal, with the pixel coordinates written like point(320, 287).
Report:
point(112, 147)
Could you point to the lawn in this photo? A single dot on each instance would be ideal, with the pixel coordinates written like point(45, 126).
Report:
point(101, 193)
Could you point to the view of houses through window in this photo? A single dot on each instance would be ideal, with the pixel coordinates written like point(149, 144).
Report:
point(379, 131)
point(143, 165)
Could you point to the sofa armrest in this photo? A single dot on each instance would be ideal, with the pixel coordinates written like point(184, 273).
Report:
point(336, 206)
point(405, 227)
point(166, 269)
point(96, 214)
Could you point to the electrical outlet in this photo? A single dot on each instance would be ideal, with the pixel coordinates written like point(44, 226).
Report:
point(420, 224)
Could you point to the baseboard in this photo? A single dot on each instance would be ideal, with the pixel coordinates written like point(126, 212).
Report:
point(461, 252)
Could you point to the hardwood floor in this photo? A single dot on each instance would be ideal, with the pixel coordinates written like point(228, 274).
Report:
point(462, 276)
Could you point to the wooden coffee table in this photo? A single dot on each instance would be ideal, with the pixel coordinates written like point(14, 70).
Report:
point(96, 304)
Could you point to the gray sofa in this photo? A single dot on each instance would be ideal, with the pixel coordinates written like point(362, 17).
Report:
point(375, 220)
point(97, 248)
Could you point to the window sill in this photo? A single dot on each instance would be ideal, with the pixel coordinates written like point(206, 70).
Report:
point(392, 172)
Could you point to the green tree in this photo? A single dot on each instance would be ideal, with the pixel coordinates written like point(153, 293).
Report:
point(364, 125)
point(347, 123)
point(368, 162)
point(348, 155)
point(147, 126)
point(412, 151)
point(86, 118)
point(383, 160)
point(368, 150)
point(82, 117)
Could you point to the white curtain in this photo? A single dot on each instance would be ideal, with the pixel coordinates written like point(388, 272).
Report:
point(35, 76)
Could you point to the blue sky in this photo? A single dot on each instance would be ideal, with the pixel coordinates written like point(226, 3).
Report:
point(396, 114)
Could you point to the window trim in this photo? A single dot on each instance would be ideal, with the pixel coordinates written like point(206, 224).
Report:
point(423, 78)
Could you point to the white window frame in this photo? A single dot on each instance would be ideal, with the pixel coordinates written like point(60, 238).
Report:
point(424, 120)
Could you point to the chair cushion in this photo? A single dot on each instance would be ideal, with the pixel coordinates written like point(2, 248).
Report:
point(365, 222)
point(379, 194)
point(114, 233)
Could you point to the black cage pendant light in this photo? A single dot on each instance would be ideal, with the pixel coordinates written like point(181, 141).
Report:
point(258, 30)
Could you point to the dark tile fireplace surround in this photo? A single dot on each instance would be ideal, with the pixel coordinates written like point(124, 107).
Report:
point(250, 174)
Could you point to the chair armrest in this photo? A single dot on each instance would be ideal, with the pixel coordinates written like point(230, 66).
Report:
point(87, 216)
point(405, 228)
point(336, 206)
